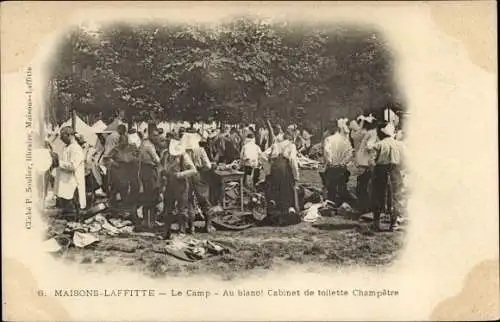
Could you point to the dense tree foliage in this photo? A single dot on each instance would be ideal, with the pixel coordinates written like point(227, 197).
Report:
point(244, 70)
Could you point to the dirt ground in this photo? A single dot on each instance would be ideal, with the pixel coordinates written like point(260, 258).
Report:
point(338, 241)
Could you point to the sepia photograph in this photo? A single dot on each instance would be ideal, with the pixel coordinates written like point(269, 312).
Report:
point(247, 144)
point(249, 161)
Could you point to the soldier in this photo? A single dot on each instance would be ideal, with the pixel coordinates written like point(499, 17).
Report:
point(385, 179)
point(177, 169)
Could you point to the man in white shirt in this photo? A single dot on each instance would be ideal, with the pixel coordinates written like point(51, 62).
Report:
point(338, 153)
point(250, 156)
point(70, 175)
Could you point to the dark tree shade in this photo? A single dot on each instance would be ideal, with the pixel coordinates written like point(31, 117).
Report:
point(245, 70)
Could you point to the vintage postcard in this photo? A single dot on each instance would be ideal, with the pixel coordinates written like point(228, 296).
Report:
point(249, 161)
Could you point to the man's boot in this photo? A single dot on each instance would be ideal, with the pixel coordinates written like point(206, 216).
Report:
point(168, 224)
point(376, 221)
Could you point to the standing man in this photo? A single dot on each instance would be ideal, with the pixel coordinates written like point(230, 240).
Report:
point(385, 176)
point(177, 169)
point(365, 160)
point(148, 175)
point(250, 157)
point(125, 158)
point(70, 176)
point(200, 182)
point(110, 145)
point(338, 154)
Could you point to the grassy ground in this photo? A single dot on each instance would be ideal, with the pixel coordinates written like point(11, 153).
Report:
point(331, 242)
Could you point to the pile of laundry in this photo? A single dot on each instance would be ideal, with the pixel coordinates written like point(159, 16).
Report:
point(313, 211)
point(63, 234)
point(306, 163)
point(235, 165)
point(190, 249)
point(232, 194)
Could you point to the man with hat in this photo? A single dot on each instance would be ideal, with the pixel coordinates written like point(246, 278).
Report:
point(385, 181)
point(70, 176)
point(200, 182)
point(177, 169)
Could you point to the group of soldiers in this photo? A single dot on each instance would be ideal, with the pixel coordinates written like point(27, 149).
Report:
point(141, 169)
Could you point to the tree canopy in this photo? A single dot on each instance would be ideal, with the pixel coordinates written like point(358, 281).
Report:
point(240, 71)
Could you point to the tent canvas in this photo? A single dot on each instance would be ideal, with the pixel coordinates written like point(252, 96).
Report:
point(80, 127)
point(99, 126)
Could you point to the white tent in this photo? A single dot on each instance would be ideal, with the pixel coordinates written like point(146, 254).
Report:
point(80, 127)
point(99, 126)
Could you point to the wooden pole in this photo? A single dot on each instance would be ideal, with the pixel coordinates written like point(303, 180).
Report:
point(73, 119)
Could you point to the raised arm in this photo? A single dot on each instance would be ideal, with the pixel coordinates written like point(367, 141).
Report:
point(272, 136)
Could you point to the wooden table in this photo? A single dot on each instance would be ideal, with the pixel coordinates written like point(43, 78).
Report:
point(226, 176)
